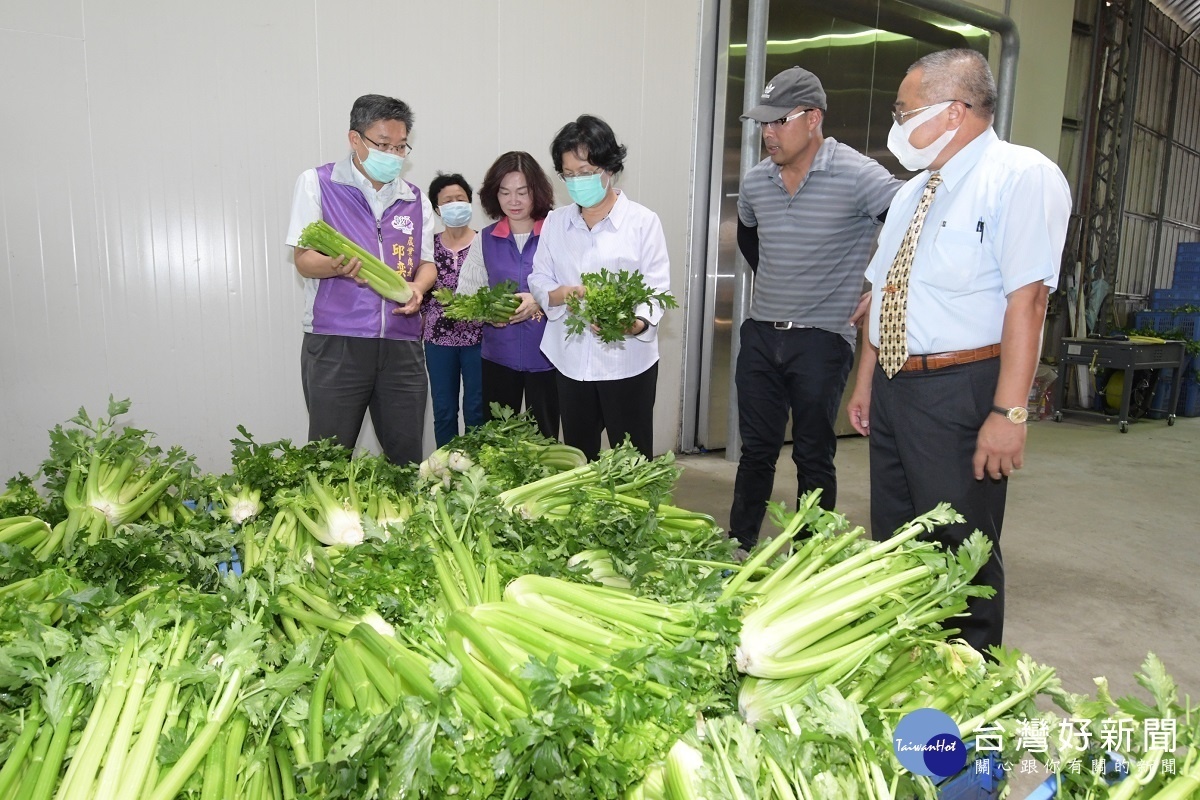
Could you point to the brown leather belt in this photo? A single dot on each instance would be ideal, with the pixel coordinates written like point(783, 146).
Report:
point(953, 358)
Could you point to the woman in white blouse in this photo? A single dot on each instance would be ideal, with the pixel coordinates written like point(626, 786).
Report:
point(602, 386)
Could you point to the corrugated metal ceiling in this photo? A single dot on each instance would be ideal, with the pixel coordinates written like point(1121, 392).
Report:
point(1186, 13)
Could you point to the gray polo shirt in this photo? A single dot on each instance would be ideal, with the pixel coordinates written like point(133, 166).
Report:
point(814, 245)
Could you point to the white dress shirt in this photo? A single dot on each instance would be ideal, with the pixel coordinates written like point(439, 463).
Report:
point(998, 222)
point(629, 238)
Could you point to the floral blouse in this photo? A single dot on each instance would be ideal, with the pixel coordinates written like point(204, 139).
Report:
point(439, 329)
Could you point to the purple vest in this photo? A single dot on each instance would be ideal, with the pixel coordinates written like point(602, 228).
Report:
point(514, 346)
point(343, 307)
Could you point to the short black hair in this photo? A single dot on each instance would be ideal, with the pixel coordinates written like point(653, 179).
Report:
point(593, 136)
point(535, 178)
point(442, 181)
point(371, 108)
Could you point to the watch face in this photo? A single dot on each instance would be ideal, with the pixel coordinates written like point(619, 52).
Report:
point(1018, 415)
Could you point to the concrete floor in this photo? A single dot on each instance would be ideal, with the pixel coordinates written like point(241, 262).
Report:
point(1101, 542)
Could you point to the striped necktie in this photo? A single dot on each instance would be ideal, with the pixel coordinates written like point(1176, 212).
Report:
point(893, 330)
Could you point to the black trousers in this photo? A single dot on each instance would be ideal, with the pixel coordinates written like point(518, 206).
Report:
point(620, 407)
point(537, 391)
point(344, 376)
point(804, 371)
point(923, 431)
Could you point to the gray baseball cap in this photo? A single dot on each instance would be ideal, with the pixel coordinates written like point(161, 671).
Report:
point(789, 89)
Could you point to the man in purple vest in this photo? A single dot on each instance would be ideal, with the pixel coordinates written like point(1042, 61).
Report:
point(362, 351)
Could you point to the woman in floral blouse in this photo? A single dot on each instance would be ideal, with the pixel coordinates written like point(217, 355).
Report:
point(452, 348)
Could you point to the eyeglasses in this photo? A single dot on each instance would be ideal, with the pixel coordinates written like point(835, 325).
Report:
point(900, 116)
point(397, 149)
point(568, 175)
point(775, 123)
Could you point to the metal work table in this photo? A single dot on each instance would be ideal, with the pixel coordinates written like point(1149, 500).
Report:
point(1122, 355)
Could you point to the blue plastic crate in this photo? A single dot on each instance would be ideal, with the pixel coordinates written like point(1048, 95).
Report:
point(1186, 324)
point(981, 780)
point(1189, 397)
point(1167, 299)
point(1161, 321)
point(1186, 280)
point(1187, 251)
point(1162, 397)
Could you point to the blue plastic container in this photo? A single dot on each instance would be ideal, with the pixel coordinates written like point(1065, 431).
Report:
point(1185, 279)
point(1162, 321)
point(1188, 252)
point(1189, 398)
point(1162, 397)
point(1168, 299)
point(974, 784)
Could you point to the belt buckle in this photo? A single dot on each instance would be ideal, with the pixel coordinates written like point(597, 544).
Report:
point(783, 326)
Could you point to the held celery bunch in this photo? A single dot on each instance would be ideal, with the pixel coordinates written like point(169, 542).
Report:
point(493, 304)
point(387, 282)
point(610, 302)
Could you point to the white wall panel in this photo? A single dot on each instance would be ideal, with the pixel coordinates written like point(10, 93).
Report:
point(50, 17)
point(145, 187)
point(51, 324)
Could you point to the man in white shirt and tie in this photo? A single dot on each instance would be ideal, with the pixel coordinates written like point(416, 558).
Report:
point(966, 260)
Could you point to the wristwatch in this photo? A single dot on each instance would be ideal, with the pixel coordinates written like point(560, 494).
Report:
point(1016, 415)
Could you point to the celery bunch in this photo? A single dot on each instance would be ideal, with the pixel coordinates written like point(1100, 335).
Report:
point(610, 302)
point(493, 304)
point(387, 282)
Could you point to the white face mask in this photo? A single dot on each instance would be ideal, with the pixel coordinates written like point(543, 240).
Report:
point(916, 158)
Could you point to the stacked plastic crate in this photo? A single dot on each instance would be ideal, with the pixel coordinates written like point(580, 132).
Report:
point(1177, 311)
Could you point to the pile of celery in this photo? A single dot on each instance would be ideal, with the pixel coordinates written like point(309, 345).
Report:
point(504, 621)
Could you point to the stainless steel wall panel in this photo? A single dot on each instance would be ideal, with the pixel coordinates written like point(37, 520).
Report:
point(860, 50)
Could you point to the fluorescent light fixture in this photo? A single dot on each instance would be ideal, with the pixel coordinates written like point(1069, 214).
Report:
point(786, 46)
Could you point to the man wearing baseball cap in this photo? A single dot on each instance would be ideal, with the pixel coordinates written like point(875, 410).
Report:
point(807, 218)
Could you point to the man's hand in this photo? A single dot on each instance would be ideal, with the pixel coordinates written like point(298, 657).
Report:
point(859, 409)
point(860, 310)
point(999, 448)
point(346, 269)
point(414, 303)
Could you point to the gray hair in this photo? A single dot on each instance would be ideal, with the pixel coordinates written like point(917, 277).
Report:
point(371, 108)
point(958, 75)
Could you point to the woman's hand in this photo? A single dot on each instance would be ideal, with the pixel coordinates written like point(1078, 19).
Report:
point(529, 309)
point(638, 327)
point(559, 296)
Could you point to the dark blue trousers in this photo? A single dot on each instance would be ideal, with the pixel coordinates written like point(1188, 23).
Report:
point(449, 368)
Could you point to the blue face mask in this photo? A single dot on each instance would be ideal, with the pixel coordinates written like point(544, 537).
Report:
point(586, 190)
point(381, 166)
point(455, 215)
